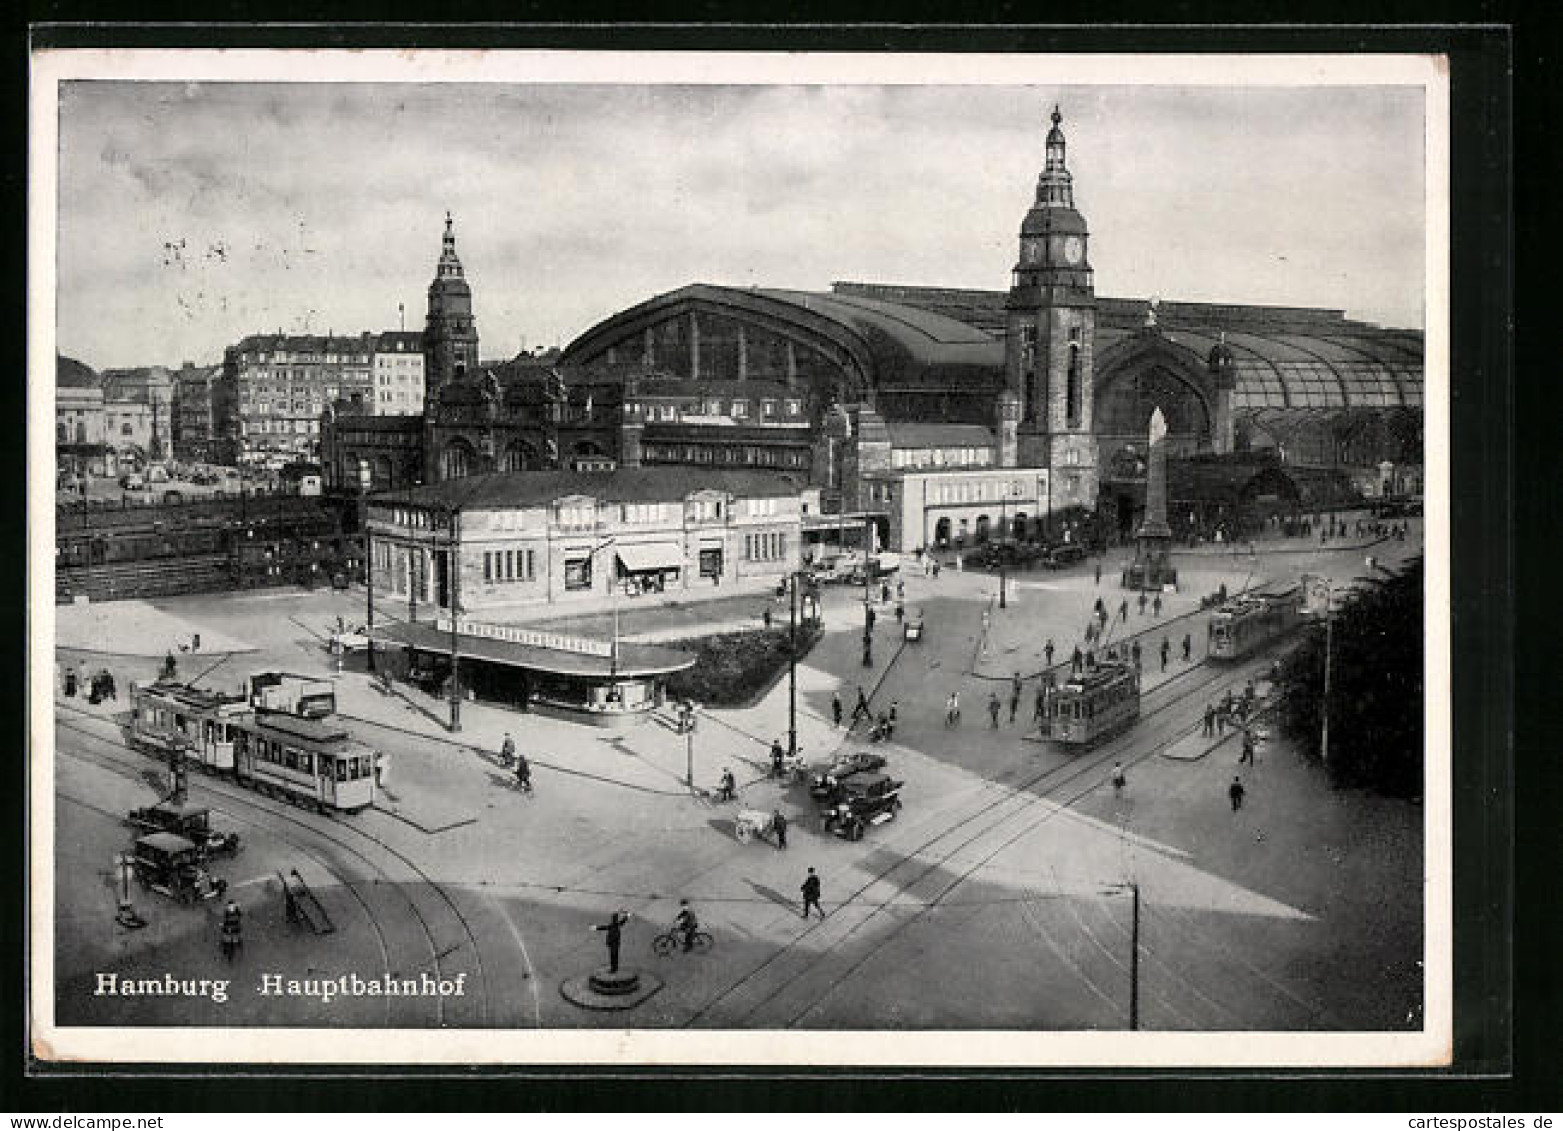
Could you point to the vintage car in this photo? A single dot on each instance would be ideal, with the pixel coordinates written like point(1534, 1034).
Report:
point(825, 777)
point(171, 865)
point(863, 799)
point(192, 822)
point(1063, 555)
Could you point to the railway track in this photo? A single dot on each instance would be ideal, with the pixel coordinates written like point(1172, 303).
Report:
point(986, 817)
point(117, 758)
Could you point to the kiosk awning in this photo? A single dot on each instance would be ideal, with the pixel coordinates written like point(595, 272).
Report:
point(651, 555)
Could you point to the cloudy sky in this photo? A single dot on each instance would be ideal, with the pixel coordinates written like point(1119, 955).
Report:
point(194, 214)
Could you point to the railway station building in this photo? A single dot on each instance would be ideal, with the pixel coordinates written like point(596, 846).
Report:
point(530, 538)
point(875, 394)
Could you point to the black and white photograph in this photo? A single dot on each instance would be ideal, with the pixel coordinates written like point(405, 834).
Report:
point(701, 558)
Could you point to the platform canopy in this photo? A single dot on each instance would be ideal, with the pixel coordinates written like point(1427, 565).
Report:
point(634, 659)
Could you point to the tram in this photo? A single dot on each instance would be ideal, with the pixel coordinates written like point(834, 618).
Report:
point(165, 716)
point(280, 738)
point(1249, 620)
point(1095, 704)
point(306, 761)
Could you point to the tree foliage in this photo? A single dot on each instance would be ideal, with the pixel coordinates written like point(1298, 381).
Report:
point(1376, 688)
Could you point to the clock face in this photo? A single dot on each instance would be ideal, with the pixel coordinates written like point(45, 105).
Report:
point(1031, 251)
point(1073, 247)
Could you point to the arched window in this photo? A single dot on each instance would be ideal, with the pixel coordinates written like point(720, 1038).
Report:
point(520, 457)
point(457, 460)
point(1074, 397)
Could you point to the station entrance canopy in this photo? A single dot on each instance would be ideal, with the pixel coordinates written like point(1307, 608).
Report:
point(538, 651)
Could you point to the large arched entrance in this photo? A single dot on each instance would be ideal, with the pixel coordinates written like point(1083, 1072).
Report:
point(983, 523)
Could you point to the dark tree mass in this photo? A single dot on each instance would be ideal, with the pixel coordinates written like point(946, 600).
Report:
point(1376, 681)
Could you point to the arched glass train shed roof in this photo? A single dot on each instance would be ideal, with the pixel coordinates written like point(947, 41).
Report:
point(1286, 359)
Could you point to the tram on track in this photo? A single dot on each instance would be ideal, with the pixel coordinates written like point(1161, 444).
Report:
point(1250, 620)
point(1095, 704)
point(165, 716)
point(306, 761)
point(282, 738)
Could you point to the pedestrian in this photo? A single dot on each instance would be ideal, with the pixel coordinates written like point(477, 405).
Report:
point(987, 619)
point(1166, 648)
point(1188, 647)
point(195, 642)
point(993, 709)
point(777, 754)
point(70, 682)
point(869, 618)
point(1123, 610)
point(1099, 609)
point(952, 709)
point(1047, 651)
point(900, 590)
point(1098, 575)
point(1210, 720)
point(895, 710)
point(382, 769)
point(1235, 791)
point(1156, 605)
point(1119, 780)
point(1014, 684)
point(1041, 707)
point(1142, 602)
point(1090, 658)
point(900, 612)
point(1014, 704)
point(835, 707)
point(614, 929)
point(170, 667)
point(884, 592)
point(861, 711)
point(811, 892)
point(1248, 747)
point(1134, 652)
point(1221, 724)
point(766, 616)
point(779, 823)
point(936, 570)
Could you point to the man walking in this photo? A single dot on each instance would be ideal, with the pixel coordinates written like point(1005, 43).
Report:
point(1123, 610)
point(777, 754)
point(993, 709)
point(1248, 747)
point(1014, 702)
point(1235, 791)
point(1210, 720)
point(1156, 605)
point(1041, 708)
point(810, 891)
point(835, 707)
point(1142, 602)
point(779, 823)
point(1047, 651)
point(1098, 571)
point(952, 709)
point(1119, 779)
point(1188, 647)
point(1166, 647)
point(1134, 652)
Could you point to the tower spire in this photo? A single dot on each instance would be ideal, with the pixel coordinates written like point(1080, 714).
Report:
point(1055, 187)
point(450, 265)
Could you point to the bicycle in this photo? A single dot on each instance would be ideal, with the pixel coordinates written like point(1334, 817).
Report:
point(673, 940)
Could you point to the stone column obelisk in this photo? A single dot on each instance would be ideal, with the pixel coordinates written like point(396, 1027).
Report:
point(1152, 567)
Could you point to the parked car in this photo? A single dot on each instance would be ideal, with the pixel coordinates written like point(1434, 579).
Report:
point(1063, 555)
point(864, 799)
point(192, 822)
point(173, 866)
point(826, 777)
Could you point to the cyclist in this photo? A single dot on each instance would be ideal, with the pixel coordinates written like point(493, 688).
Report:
point(686, 924)
point(507, 750)
point(523, 773)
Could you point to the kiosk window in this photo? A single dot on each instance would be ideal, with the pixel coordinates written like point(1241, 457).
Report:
point(578, 572)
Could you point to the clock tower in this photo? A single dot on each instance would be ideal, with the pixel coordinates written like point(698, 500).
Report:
point(450, 337)
point(1050, 320)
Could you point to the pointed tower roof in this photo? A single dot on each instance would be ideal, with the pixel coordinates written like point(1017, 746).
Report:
point(450, 265)
point(1054, 208)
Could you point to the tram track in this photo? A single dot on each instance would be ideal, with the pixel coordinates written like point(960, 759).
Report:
point(1016, 802)
point(342, 882)
point(438, 951)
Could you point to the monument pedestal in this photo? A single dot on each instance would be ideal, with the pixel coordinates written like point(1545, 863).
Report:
point(624, 988)
point(1152, 567)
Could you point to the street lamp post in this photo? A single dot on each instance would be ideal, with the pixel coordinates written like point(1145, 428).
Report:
point(1324, 706)
point(453, 593)
point(792, 663)
point(369, 589)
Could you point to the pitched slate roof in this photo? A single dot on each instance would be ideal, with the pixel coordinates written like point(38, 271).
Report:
point(659, 484)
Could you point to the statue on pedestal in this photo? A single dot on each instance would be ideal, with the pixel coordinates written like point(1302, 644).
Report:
point(1152, 566)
